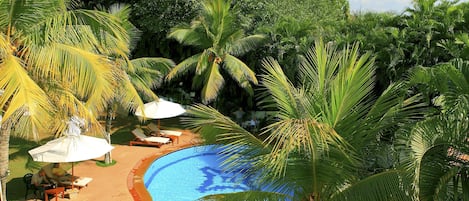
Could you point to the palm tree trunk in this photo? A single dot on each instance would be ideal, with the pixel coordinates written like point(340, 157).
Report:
point(5, 130)
point(109, 118)
point(464, 186)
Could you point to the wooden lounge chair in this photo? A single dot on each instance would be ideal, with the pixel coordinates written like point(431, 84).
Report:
point(173, 135)
point(153, 128)
point(142, 139)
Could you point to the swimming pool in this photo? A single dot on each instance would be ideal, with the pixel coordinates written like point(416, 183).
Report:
point(192, 173)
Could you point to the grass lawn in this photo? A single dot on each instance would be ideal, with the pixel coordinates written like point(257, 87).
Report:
point(21, 162)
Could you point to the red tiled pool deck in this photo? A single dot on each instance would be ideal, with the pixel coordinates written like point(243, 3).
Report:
point(124, 180)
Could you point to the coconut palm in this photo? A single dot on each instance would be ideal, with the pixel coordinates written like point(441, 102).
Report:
point(316, 143)
point(436, 148)
point(139, 76)
point(50, 69)
point(215, 32)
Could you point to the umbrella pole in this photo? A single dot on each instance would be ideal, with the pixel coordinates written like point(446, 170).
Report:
point(159, 129)
point(73, 176)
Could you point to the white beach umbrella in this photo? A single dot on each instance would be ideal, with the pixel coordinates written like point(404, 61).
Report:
point(72, 147)
point(159, 110)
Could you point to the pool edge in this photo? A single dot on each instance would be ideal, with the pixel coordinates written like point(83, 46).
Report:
point(135, 183)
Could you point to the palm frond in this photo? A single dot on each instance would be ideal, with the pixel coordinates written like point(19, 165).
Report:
point(383, 186)
point(215, 32)
point(245, 44)
point(22, 95)
point(123, 11)
point(388, 110)
point(100, 22)
point(128, 93)
point(22, 15)
point(78, 27)
point(68, 103)
point(90, 74)
point(201, 117)
point(213, 83)
point(280, 89)
point(296, 128)
point(319, 67)
point(190, 35)
point(247, 195)
point(238, 70)
point(429, 156)
point(151, 70)
point(422, 75)
point(450, 79)
point(214, 127)
point(206, 59)
point(183, 67)
point(4, 45)
point(241, 149)
point(217, 19)
point(352, 87)
point(436, 180)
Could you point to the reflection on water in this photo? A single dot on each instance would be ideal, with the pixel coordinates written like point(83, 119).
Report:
point(217, 180)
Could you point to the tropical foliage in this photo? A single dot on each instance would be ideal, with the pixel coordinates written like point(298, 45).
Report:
point(435, 150)
point(290, 26)
point(322, 129)
point(426, 34)
point(215, 32)
point(50, 68)
point(142, 74)
point(155, 19)
point(347, 125)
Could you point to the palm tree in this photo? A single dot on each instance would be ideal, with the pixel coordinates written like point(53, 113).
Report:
point(138, 76)
point(214, 31)
point(317, 142)
point(50, 69)
point(436, 150)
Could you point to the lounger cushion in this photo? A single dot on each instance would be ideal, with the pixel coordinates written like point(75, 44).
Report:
point(171, 132)
point(138, 132)
point(162, 140)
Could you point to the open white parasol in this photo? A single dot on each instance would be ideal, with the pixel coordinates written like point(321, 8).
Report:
point(159, 110)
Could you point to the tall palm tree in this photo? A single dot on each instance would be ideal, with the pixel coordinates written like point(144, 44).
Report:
point(138, 76)
point(436, 149)
point(50, 69)
point(317, 142)
point(215, 32)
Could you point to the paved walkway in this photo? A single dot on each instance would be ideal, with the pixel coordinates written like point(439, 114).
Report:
point(111, 183)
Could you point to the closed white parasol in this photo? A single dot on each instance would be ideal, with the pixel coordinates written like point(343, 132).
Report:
point(72, 147)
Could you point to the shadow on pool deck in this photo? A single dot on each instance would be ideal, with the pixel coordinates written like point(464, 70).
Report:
point(124, 180)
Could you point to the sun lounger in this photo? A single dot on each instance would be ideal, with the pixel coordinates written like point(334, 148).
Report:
point(80, 182)
point(153, 128)
point(174, 135)
point(142, 139)
point(171, 132)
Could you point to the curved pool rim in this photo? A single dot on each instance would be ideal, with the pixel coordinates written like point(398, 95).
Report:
point(135, 183)
point(214, 180)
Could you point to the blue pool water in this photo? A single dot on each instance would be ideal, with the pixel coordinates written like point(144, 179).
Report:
point(190, 174)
